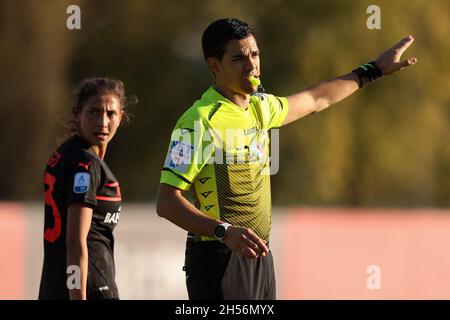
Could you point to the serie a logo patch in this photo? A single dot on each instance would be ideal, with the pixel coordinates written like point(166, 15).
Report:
point(81, 182)
point(179, 156)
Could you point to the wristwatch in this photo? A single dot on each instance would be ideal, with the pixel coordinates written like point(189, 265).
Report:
point(221, 231)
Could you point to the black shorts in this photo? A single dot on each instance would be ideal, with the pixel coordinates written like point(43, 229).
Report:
point(214, 272)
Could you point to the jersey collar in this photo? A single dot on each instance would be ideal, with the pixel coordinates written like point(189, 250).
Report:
point(214, 95)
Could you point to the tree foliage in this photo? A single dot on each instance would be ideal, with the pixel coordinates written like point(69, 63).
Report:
point(387, 145)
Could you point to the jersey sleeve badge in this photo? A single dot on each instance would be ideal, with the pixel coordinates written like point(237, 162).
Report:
point(179, 156)
point(81, 182)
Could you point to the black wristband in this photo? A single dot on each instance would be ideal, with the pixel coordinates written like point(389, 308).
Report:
point(367, 72)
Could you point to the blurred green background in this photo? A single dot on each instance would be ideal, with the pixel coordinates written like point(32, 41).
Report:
point(386, 146)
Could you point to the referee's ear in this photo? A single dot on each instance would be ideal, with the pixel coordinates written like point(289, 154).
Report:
point(213, 65)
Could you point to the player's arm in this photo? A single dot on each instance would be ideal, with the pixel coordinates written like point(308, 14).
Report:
point(327, 93)
point(78, 223)
point(173, 206)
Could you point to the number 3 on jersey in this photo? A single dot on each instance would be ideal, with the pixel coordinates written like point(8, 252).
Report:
point(52, 234)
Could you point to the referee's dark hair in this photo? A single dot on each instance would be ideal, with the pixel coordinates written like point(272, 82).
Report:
point(218, 33)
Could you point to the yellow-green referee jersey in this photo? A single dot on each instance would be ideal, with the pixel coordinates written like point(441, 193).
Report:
point(220, 152)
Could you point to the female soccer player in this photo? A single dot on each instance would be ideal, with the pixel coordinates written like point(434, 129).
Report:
point(83, 199)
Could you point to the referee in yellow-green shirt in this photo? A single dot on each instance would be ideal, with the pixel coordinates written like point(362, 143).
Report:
point(219, 152)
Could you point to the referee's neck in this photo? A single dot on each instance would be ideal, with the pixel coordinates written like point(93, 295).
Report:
point(239, 99)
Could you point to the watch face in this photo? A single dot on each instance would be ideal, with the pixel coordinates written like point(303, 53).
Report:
point(220, 231)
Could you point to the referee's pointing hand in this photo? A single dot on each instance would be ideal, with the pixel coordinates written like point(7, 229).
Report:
point(389, 61)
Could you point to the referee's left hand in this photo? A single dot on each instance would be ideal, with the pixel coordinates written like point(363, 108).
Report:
point(245, 242)
point(389, 61)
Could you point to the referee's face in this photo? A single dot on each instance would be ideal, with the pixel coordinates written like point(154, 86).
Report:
point(239, 62)
point(99, 119)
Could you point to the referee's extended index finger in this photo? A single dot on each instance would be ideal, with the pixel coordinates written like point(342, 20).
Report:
point(404, 44)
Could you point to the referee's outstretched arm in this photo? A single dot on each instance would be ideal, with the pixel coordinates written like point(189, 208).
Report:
point(327, 93)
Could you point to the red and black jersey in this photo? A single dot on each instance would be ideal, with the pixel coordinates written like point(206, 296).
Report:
point(75, 174)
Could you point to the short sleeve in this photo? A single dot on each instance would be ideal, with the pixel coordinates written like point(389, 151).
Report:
point(190, 148)
point(278, 108)
point(83, 180)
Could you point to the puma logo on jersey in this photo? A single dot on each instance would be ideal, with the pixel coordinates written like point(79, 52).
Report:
point(86, 166)
point(112, 217)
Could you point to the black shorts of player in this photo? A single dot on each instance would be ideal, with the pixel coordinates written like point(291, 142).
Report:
point(214, 272)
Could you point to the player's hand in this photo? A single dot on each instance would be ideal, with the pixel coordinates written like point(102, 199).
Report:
point(245, 242)
point(389, 61)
